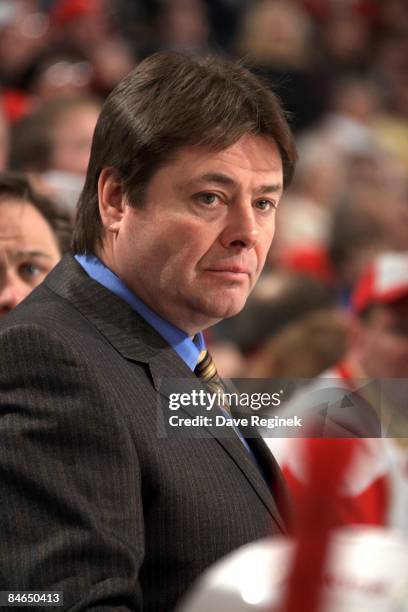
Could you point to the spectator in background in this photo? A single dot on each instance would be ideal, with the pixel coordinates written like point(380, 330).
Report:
point(302, 349)
point(275, 33)
point(34, 235)
point(276, 36)
point(346, 40)
point(181, 25)
point(304, 220)
point(55, 143)
point(354, 105)
point(59, 48)
point(57, 136)
point(92, 26)
point(365, 393)
point(60, 70)
point(371, 219)
point(24, 32)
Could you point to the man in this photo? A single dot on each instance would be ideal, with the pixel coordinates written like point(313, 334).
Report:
point(34, 235)
point(367, 393)
point(188, 163)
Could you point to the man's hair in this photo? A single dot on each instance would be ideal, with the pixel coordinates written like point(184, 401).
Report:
point(169, 101)
point(15, 186)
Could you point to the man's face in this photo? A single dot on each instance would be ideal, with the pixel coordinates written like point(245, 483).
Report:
point(194, 251)
point(384, 341)
point(28, 251)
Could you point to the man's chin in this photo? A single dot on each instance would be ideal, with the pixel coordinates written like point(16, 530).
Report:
point(225, 309)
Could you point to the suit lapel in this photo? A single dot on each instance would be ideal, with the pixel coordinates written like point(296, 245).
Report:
point(137, 341)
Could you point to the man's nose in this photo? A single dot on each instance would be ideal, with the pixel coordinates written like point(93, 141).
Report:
point(12, 292)
point(241, 228)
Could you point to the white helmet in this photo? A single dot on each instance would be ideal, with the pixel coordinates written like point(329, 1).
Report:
point(367, 571)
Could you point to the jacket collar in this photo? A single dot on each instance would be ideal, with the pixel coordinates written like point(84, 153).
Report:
point(124, 329)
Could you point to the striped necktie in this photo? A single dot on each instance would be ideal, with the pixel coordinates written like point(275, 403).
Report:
point(205, 368)
point(207, 372)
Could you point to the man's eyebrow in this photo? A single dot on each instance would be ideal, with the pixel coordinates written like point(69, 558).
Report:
point(224, 179)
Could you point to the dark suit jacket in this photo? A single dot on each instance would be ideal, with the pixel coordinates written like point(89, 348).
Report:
point(93, 502)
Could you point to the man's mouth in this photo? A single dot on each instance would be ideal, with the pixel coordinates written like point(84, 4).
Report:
point(230, 272)
point(230, 268)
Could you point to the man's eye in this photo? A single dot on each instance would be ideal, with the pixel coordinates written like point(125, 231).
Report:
point(29, 270)
point(265, 204)
point(208, 198)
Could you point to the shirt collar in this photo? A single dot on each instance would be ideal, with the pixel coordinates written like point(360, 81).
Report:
point(187, 348)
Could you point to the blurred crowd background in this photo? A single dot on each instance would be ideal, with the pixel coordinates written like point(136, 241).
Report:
point(341, 70)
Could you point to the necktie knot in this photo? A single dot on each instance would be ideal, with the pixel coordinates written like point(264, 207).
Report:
point(206, 371)
point(205, 368)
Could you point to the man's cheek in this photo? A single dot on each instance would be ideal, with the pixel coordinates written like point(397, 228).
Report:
point(262, 255)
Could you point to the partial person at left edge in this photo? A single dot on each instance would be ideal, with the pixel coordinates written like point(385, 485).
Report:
point(34, 235)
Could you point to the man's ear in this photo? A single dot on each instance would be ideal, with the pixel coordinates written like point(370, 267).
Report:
point(112, 199)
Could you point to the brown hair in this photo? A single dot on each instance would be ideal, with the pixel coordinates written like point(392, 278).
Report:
point(16, 186)
point(169, 101)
